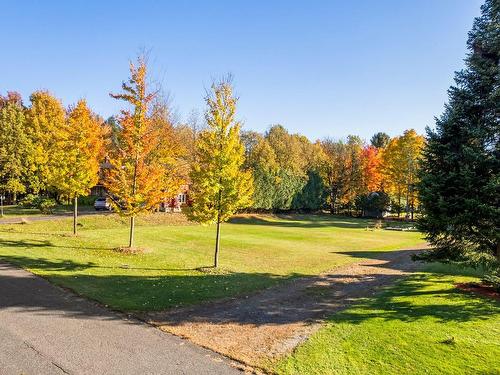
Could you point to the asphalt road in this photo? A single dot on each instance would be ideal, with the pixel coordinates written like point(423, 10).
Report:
point(46, 330)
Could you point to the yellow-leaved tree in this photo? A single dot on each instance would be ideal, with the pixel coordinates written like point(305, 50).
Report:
point(82, 145)
point(143, 155)
point(411, 148)
point(399, 166)
point(46, 131)
point(220, 186)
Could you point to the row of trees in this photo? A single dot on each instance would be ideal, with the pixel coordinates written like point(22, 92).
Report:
point(44, 147)
point(290, 172)
point(48, 150)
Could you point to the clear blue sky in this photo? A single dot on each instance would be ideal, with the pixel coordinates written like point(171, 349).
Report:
point(321, 68)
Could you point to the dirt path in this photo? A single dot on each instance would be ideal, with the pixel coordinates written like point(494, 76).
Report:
point(261, 327)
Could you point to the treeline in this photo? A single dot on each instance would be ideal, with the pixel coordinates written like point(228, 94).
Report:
point(48, 149)
point(292, 173)
point(51, 150)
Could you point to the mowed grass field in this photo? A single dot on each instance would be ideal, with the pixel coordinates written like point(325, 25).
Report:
point(421, 325)
point(257, 251)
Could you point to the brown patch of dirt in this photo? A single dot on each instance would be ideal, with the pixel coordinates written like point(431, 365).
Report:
point(259, 328)
point(132, 250)
point(482, 289)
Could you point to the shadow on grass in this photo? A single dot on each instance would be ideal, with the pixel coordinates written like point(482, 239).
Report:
point(24, 292)
point(303, 300)
point(46, 243)
point(410, 301)
point(302, 221)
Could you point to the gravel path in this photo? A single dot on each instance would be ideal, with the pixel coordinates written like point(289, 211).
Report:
point(259, 328)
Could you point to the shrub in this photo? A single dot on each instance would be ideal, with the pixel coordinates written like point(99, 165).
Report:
point(28, 201)
point(87, 201)
point(46, 205)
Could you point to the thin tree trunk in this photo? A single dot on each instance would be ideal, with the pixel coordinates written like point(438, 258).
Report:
point(412, 206)
point(217, 237)
point(407, 202)
point(498, 252)
point(399, 203)
point(132, 226)
point(75, 215)
point(217, 244)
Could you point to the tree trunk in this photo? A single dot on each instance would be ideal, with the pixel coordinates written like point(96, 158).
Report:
point(412, 207)
point(498, 252)
point(217, 245)
point(132, 226)
point(75, 216)
point(407, 202)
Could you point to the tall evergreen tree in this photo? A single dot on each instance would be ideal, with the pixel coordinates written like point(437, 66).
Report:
point(380, 140)
point(460, 174)
point(219, 184)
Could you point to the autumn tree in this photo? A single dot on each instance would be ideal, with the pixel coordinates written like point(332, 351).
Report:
point(46, 130)
point(399, 165)
point(15, 146)
point(220, 186)
point(411, 148)
point(138, 180)
point(284, 166)
point(171, 152)
point(261, 160)
point(82, 146)
point(393, 172)
point(334, 171)
point(355, 185)
point(372, 177)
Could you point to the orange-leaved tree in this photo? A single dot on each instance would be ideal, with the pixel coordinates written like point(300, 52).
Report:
point(138, 180)
point(372, 175)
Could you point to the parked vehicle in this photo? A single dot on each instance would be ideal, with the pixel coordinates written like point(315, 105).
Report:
point(102, 204)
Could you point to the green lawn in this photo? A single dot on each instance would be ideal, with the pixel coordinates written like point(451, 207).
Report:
point(423, 325)
point(256, 252)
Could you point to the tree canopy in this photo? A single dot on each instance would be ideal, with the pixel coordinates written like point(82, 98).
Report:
point(460, 171)
point(220, 186)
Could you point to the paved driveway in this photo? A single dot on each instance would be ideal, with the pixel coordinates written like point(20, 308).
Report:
point(46, 330)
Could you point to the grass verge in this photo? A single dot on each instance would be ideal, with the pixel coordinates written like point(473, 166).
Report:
point(422, 325)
